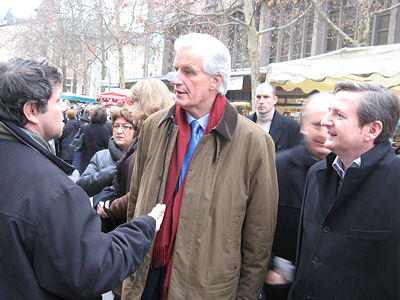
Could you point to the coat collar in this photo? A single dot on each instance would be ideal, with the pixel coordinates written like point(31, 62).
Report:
point(369, 159)
point(328, 179)
point(302, 156)
point(22, 136)
point(225, 127)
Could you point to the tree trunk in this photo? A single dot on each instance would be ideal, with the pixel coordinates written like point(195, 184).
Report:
point(121, 66)
point(120, 50)
point(364, 24)
point(64, 73)
point(74, 82)
point(103, 58)
point(253, 48)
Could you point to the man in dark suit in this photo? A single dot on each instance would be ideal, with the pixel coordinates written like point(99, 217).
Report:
point(284, 131)
point(292, 166)
point(349, 225)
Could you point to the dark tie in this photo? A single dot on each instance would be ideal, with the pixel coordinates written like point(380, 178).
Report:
point(193, 141)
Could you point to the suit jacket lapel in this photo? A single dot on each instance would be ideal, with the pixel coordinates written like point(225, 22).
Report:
point(275, 130)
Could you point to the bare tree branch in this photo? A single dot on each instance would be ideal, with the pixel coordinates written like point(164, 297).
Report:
point(386, 9)
point(333, 26)
point(291, 23)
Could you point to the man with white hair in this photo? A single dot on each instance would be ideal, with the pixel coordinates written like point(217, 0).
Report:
point(215, 171)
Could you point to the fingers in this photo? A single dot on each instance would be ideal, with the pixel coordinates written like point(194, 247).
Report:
point(274, 277)
point(100, 210)
point(157, 213)
point(107, 204)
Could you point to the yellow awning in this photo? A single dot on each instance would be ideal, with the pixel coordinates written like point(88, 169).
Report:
point(378, 64)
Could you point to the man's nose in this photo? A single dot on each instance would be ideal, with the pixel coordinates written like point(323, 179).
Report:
point(177, 78)
point(326, 120)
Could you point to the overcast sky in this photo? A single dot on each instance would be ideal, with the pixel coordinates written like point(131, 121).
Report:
point(19, 8)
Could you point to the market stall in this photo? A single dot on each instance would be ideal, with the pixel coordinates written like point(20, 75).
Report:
point(379, 64)
point(77, 98)
point(112, 98)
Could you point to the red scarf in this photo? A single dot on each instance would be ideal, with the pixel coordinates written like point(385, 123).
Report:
point(165, 239)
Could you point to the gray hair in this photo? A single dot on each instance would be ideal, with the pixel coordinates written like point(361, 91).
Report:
point(377, 104)
point(23, 81)
point(216, 55)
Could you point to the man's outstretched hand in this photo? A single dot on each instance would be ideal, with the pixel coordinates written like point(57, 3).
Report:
point(157, 213)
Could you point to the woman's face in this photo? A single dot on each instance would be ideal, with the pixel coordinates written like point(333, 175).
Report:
point(133, 110)
point(123, 133)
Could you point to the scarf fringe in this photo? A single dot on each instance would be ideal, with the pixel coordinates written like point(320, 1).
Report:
point(159, 257)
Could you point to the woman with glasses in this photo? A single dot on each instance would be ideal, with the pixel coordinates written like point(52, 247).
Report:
point(147, 97)
point(100, 170)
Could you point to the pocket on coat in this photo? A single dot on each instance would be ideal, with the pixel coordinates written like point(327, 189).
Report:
point(223, 289)
point(371, 235)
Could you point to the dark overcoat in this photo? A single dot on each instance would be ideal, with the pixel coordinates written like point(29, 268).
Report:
point(349, 243)
point(69, 131)
point(96, 137)
point(292, 166)
point(284, 131)
point(51, 244)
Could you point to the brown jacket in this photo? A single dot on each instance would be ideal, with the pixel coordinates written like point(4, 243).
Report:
point(228, 210)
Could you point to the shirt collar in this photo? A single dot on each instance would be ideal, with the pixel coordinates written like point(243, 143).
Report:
point(337, 165)
point(203, 121)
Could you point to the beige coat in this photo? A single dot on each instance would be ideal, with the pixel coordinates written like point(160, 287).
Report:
point(228, 210)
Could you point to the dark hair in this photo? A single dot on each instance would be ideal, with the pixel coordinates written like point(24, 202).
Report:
point(377, 104)
point(23, 81)
point(99, 115)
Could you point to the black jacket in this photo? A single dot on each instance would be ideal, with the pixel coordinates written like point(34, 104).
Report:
point(83, 120)
point(69, 131)
point(284, 131)
point(51, 244)
point(349, 243)
point(96, 136)
point(292, 166)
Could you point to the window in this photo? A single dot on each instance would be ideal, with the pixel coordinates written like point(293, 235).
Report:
point(382, 29)
point(68, 85)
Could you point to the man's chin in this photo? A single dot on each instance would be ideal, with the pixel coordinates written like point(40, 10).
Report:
point(58, 135)
point(329, 146)
point(181, 101)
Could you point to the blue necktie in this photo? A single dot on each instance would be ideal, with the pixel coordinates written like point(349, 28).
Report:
point(193, 141)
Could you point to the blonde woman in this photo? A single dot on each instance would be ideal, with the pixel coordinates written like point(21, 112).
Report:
point(147, 96)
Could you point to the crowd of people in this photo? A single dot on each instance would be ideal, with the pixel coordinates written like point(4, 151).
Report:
point(187, 199)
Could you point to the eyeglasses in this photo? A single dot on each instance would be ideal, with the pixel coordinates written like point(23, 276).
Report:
point(123, 127)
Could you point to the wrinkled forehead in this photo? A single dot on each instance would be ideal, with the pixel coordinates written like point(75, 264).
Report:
point(189, 55)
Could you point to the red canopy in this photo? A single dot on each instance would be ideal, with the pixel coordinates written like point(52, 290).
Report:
point(112, 98)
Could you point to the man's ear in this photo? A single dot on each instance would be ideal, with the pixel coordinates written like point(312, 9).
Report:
point(275, 99)
point(31, 112)
point(215, 81)
point(373, 130)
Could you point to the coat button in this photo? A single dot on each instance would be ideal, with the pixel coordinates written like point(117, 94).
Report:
point(315, 260)
point(326, 229)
